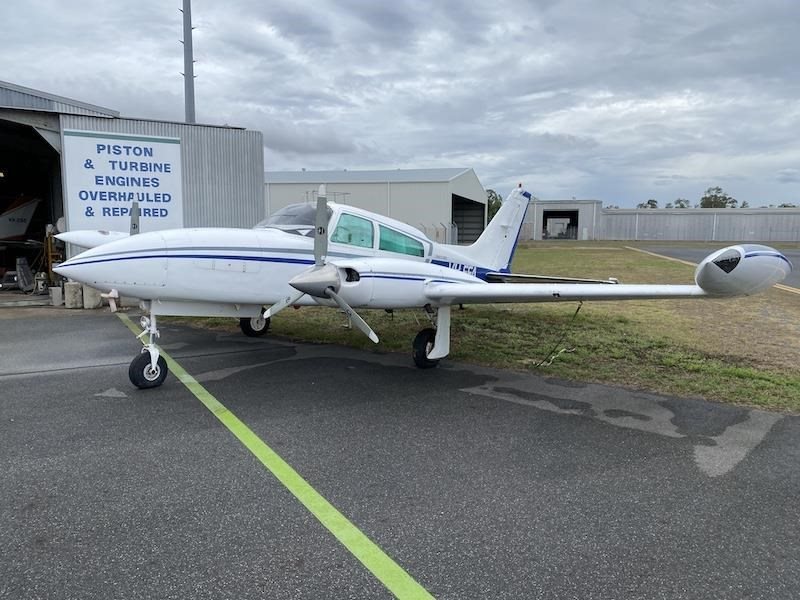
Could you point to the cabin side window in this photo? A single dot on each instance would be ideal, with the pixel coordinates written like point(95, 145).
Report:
point(354, 231)
point(394, 241)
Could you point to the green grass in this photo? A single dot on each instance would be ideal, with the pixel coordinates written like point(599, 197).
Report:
point(741, 351)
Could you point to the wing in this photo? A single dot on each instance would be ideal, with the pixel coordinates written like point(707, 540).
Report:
point(734, 271)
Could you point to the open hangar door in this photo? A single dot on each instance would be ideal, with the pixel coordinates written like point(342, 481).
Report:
point(30, 193)
point(560, 225)
point(470, 218)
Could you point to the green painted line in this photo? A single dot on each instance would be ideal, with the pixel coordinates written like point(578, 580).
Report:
point(119, 136)
point(388, 572)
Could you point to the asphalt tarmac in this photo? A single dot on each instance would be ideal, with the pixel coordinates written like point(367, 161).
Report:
point(478, 483)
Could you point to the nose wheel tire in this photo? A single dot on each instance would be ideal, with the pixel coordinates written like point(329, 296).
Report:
point(255, 327)
point(143, 375)
point(422, 346)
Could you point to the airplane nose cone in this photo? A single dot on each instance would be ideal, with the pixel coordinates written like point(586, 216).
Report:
point(77, 268)
point(128, 265)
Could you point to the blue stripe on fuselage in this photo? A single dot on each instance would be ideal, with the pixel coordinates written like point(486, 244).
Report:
point(275, 259)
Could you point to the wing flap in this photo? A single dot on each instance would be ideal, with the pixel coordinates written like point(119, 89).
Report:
point(497, 277)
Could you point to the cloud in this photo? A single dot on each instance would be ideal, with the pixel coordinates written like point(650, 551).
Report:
point(620, 101)
point(789, 176)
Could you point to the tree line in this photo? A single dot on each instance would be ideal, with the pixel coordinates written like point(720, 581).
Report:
point(714, 197)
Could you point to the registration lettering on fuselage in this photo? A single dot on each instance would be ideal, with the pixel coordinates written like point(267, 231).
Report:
point(470, 269)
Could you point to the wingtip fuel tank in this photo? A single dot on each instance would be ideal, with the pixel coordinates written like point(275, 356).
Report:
point(741, 270)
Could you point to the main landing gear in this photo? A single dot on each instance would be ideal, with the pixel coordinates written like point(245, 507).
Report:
point(149, 369)
point(431, 344)
point(255, 327)
point(422, 347)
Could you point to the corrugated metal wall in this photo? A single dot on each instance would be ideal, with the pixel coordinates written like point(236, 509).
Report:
point(16, 99)
point(369, 196)
point(744, 225)
point(12, 98)
point(420, 204)
point(696, 224)
point(222, 168)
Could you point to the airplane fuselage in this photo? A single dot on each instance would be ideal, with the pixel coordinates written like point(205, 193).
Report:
point(250, 266)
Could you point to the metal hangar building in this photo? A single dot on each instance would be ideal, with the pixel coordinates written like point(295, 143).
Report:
point(65, 158)
point(449, 205)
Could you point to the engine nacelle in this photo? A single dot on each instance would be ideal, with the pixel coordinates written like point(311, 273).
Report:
point(741, 270)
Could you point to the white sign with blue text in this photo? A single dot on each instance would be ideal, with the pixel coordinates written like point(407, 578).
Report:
point(106, 172)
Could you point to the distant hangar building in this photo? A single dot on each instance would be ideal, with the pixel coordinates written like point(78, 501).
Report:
point(449, 205)
point(87, 164)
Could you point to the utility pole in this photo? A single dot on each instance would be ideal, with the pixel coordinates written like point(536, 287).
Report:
point(188, 61)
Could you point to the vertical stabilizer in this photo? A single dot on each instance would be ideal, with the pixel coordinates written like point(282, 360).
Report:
point(494, 249)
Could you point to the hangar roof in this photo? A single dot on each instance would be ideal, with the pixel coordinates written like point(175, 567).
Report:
point(19, 97)
point(390, 175)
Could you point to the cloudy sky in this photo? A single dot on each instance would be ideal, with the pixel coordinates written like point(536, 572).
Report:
point(617, 100)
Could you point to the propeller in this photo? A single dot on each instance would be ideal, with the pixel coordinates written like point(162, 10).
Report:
point(323, 279)
point(321, 228)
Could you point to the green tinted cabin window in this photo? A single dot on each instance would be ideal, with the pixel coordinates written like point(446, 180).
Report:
point(394, 241)
point(354, 231)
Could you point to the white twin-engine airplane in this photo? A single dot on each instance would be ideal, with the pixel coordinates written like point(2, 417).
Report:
point(368, 261)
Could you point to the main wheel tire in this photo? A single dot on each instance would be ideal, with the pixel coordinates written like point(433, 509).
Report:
point(422, 346)
point(143, 376)
point(255, 327)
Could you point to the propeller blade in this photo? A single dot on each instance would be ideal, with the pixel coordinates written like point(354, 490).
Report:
point(353, 315)
point(321, 233)
point(283, 303)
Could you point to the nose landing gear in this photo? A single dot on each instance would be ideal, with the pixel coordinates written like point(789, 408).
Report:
point(142, 373)
point(149, 369)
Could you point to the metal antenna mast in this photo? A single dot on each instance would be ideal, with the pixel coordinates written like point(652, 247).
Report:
point(188, 61)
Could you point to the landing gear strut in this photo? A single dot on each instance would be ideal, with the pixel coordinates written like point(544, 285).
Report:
point(149, 369)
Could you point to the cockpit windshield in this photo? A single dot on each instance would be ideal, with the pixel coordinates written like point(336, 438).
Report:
point(295, 218)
